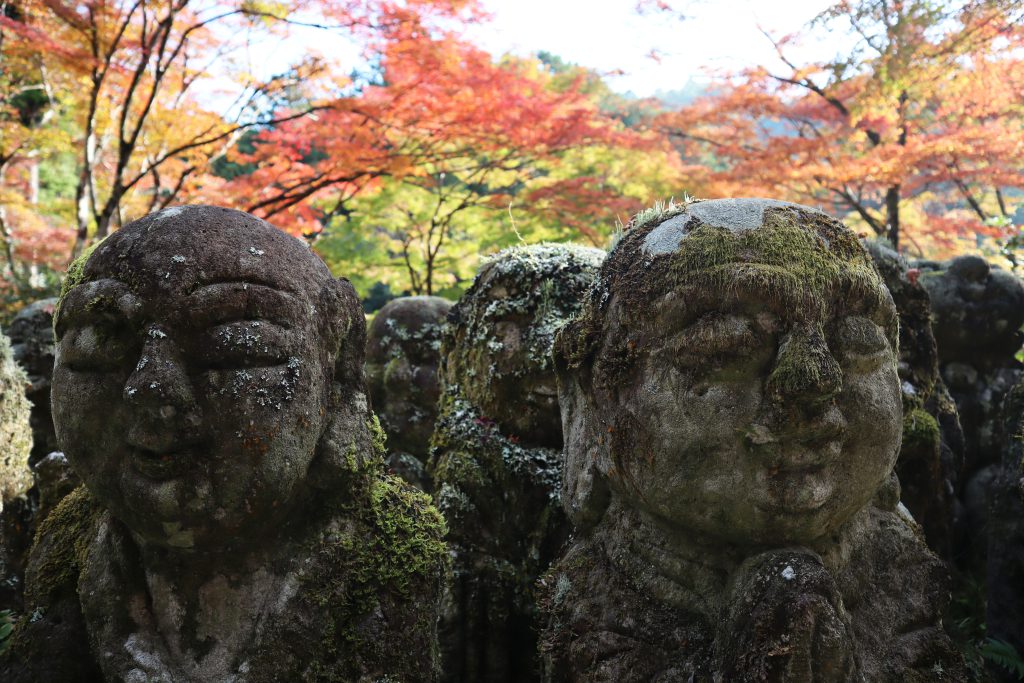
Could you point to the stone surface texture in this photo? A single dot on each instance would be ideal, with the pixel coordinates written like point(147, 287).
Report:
point(1006, 531)
point(236, 522)
point(496, 458)
point(16, 506)
point(977, 313)
point(732, 414)
point(932, 451)
point(403, 350)
point(31, 333)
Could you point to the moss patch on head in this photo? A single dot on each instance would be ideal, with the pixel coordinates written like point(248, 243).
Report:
point(497, 344)
point(799, 258)
point(75, 274)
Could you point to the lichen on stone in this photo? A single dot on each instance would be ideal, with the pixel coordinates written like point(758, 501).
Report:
point(15, 427)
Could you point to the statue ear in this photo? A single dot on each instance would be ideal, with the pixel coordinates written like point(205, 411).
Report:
point(586, 453)
point(345, 444)
point(344, 328)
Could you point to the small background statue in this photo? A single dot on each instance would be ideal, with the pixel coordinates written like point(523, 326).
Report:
point(496, 456)
point(235, 522)
point(977, 313)
point(732, 415)
point(932, 451)
point(403, 349)
point(31, 333)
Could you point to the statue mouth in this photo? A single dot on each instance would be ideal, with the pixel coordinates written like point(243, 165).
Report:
point(164, 465)
point(798, 491)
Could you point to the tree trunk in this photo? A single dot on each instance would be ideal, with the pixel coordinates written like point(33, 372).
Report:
point(892, 215)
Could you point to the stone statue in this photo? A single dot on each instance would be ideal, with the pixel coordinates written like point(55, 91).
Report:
point(496, 457)
point(977, 313)
point(932, 451)
point(732, 415)
point(31, 333)
point(17, 508)
point(235, 522)
point(403, 349)
point(1005, 533)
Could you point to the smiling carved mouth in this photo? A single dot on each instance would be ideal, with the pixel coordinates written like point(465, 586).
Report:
point(162, 466)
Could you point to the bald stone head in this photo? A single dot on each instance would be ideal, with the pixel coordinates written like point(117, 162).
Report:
point(734, 374)
point(201, 353)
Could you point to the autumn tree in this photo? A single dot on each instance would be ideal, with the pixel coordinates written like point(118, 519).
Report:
point(132, 68)
point(442, 157)
point(916, 133)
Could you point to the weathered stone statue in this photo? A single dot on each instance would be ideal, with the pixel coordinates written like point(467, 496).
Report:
point(31, 333)
point(732, 416)
point(496, 457)
point(932, 451)
point(1005, 532)
point(16, 507)
point(403, 349)
point(235, 523)
point(977, 312)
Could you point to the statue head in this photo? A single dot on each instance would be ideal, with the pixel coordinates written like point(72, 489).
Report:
point(403, 348)
point(208, 371)
point(733, 375)
point(497, 347)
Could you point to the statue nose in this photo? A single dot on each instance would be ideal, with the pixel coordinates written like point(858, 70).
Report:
point(160, 381)
point(805, 370)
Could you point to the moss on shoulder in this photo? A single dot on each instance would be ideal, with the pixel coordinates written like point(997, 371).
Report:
point(61, 547)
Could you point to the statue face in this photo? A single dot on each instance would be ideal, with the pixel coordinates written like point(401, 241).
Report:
point(402, 355)
point(192, 376)
point(737, 451)
point(499, 351)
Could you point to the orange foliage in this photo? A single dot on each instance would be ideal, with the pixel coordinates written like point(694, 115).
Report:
point(917, 135)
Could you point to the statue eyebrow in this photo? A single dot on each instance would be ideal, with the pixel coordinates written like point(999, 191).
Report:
point(107, 296)
point(249, 299)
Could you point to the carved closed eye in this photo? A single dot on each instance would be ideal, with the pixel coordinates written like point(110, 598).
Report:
point(726, 339)
point(103, 346)
point(859, 339)
point(244, 344)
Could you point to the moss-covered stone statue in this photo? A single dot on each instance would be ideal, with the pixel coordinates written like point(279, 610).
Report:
point(496, 457)
point(403, 349)
point(1005, 534)
point(17, 509)
point(932, 451)
point(732, 416)
point(977, 313)
point(31, 333)
point(236, 523)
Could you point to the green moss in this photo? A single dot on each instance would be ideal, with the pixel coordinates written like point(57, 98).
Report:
point(657, 214)
point(805, 364)
point(536, 288)
point(74, 276)
point(15, 427)
point(66, 533)
point(920, 431)
point(798, 258)
point(378, 438)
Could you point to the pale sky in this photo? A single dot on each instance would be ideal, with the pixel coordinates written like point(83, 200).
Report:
point(605, 35)
point(608, 34)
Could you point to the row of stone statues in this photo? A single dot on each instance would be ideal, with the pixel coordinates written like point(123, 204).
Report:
point(674, 463)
